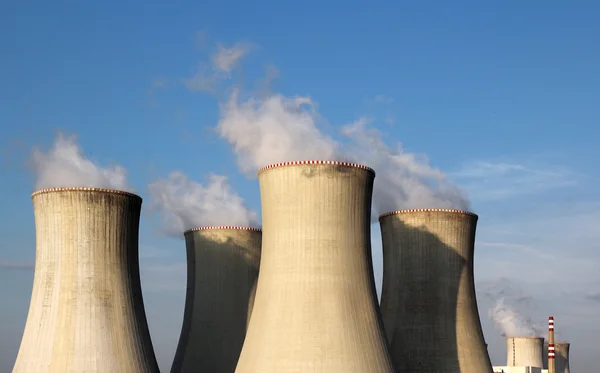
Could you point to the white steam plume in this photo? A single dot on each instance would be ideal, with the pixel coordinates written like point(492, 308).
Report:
point(185, 204)
point(65, 165)
point(404, 180)
point(276, 128)
point(511, 311)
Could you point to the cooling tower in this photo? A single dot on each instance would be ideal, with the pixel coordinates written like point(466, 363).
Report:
point(86, 312)
point(524, 352)
point(222, 271)
point(315, 309)
point(428, 299)
point(561, 356)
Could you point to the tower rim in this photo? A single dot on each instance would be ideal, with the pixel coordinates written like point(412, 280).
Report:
point(222, 228)
point(316, 162)
point(409, 211)
point(84, 189)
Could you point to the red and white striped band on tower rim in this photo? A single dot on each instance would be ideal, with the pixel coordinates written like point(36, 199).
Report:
point(222, 227)
point(550, 323)
point(550, 350)
point(426, 210)
point(84, 189)
point(332, 163)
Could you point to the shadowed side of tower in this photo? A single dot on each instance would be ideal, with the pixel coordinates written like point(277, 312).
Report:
point(525, 352)
point(86, 312)
point(315, 309)
point(561, 356)
point(428, 302)
point(223, 265)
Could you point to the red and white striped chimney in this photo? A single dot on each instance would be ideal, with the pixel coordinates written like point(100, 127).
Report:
point(551, 363)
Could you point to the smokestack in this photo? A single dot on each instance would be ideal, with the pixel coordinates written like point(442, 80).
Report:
point(428, 302)
point(524, 352)
point(222, 270)
point(561, 356)
point(551, 353)
point(86, 311)
point(316, 305)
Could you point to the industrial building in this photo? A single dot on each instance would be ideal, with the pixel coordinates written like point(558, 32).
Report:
point(518, 369)
point(223, 265)
point(316, 306)
point(86, 312)
point(428, 302)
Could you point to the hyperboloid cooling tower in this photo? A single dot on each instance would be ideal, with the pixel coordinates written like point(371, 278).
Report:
point(86, 312)
point(561, 356)
point(222, 270)
point(524, 352)
point(315, 309)
point(428, 299)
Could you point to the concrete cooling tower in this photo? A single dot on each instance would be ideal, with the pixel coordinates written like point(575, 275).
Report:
point(524, 352)
point(316, 306)
point(86, 312)
point(222, 270)
point(428, 299)
point(561, 356)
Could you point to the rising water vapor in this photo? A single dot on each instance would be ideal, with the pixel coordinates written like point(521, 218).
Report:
point(512, 310)
point(275, 128)
point(404, 180)
point(185, 204)
point(65, 165)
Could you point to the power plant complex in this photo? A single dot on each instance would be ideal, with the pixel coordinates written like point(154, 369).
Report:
point(533, 355)
point(297, 296)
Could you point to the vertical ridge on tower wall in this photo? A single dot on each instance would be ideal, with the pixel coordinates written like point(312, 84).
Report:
point(223, 265)
point(428, 302)
point(316, 307)
point(525, 352)
point(86, 312)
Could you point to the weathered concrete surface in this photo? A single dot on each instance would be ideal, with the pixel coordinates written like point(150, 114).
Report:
point(524, 351)
point(316, 308)
point(428, 299)
point(561, 358)
point(86, 312)
point(223, 265)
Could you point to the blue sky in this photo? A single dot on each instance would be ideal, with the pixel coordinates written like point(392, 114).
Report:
point(501, 96)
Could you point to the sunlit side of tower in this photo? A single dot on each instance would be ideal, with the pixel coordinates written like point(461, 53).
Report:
point(428, 301)
point(524, 352)
point(86, 312)
point(223, 265)
point(316, 306)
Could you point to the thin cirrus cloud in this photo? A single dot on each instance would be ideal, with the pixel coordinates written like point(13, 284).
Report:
point(16, 265)
point(488, 180)
point(219, 67)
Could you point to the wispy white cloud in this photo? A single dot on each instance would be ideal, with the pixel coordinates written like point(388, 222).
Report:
point(225, 59)
point(219, 67)
point(382, 99)
point(489, 180)
point(16, 265)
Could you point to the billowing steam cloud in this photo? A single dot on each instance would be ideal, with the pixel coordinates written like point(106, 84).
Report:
point(276, 129)
point(185, 204)
point(512, 310)
point(273, 129)
point(65, 165)
point(404, 180)
point(510, 322)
